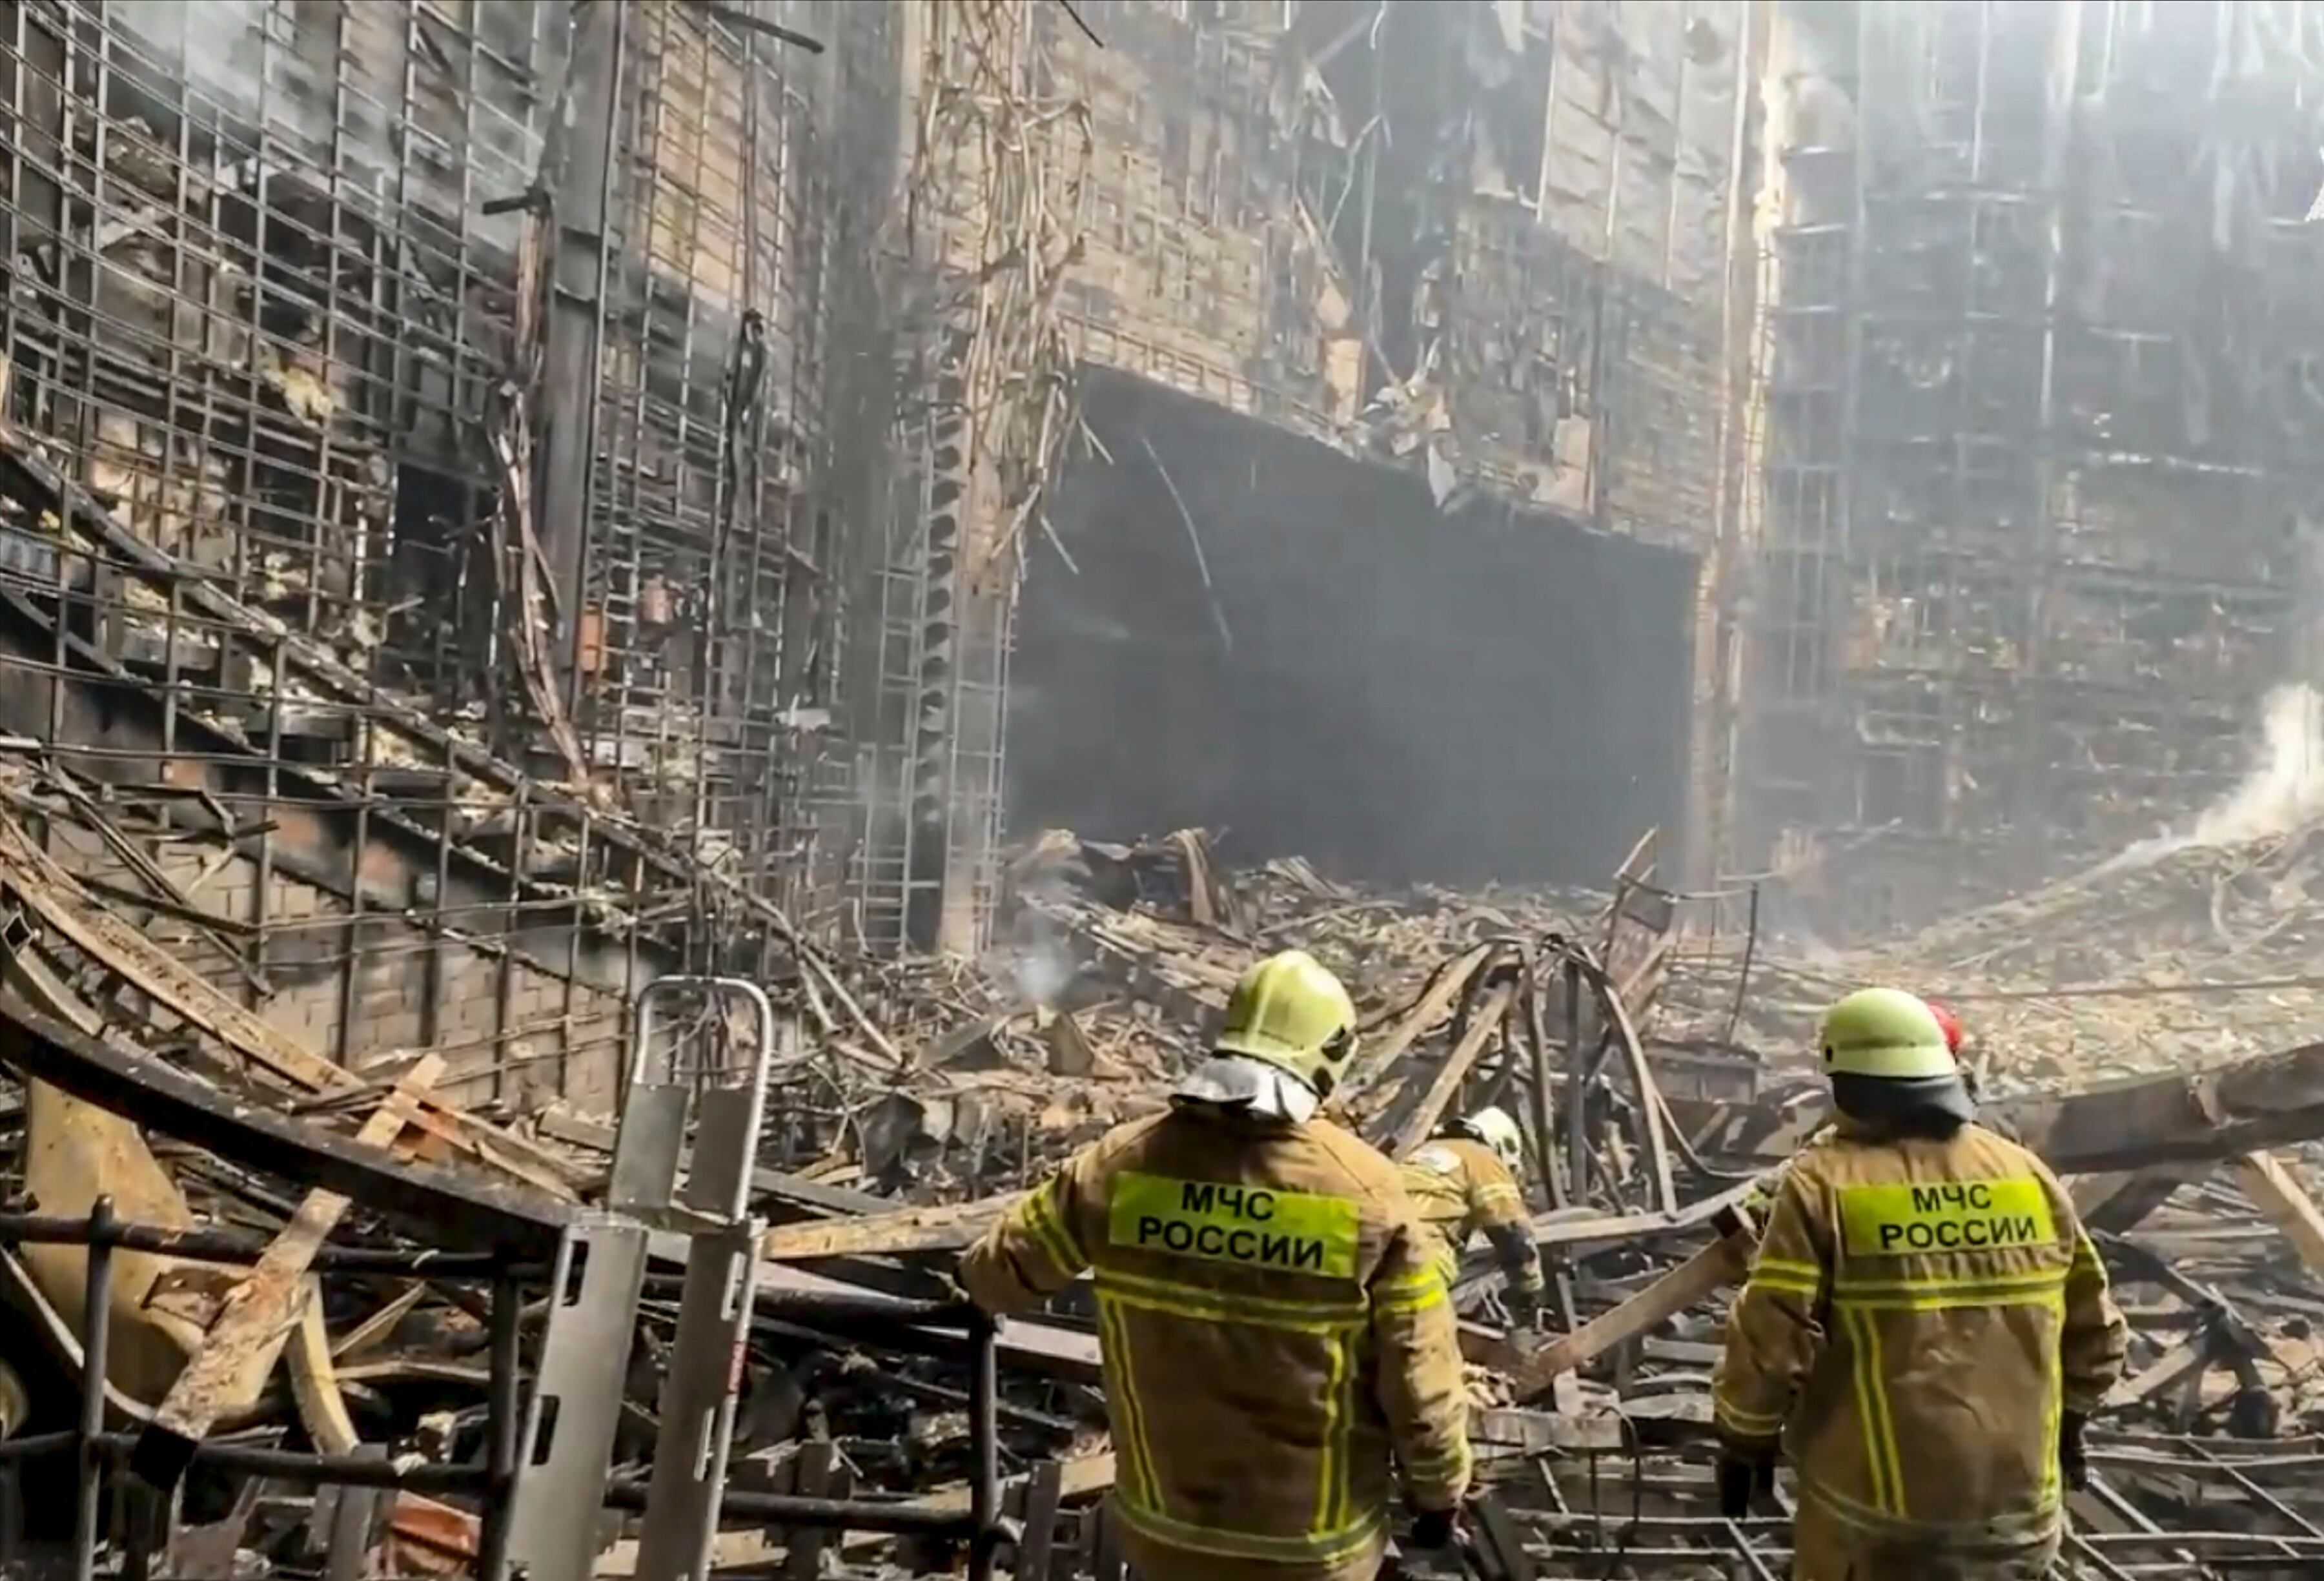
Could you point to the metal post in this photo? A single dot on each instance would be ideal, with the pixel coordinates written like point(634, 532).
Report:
point(1577, 1067)
point(985, 1443)
point(700, 1390)
point(575, 331)
point(1544, 1121)
point(12, 1513)
point(503, 1424)
point(751, 1114)
point(1743, 973)
point(96, 1345)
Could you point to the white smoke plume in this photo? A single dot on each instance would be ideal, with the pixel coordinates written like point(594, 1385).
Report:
point(2284, 790)
point(1043, 972)
point(240, 59)
point(219, 44)
point(2287, 786)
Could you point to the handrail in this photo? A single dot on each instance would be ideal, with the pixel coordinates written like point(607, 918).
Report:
point(935, 1329)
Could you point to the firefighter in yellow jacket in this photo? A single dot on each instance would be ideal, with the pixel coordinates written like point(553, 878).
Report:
point(1271, 1328)
point(1925, 1328)
point(1465, 1180)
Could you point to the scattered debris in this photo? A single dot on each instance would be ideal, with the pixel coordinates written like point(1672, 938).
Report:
point(882, 1156)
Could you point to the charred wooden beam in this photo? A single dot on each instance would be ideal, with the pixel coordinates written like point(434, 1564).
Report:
point(2178, 1117)
point(260, 1311)
point(1421, 1122)
point(432, 1203)
point(1374, 1060)
point(947, 1228)
point(2121, 1201)
point(1702, 1275)
point(2269, 1185)
point(2184, 1116)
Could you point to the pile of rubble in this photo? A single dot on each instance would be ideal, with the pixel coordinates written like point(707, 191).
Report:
point(2195, 1187)
point(2174, 954)
point(1114, 962)
point(2090, 976)
point(387, 1223)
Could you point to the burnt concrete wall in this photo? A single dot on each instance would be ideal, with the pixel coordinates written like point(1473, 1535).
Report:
point(1398, 693)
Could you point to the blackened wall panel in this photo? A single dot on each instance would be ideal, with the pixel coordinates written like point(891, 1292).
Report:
point(1398, 694)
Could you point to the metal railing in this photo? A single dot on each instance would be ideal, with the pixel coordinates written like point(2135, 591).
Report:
point(939, 1329)
point(97, 1450)
point(945, 1330)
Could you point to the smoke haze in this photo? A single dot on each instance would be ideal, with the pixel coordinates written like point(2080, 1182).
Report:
point(2283, 791)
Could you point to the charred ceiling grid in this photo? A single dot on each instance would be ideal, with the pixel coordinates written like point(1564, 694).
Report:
point(2039, 433)
point(301, 302)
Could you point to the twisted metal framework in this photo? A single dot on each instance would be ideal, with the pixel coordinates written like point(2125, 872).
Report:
point(444, 445)
point(2036, 430)
point(992, 223)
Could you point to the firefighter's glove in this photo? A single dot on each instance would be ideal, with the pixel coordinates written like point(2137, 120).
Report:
point(1523, 1304)
point(1433, 1530)
point(1744, 1474)
point(2073, 1464)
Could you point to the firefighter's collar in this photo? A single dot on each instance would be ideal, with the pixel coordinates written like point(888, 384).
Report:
point(1236, 1082)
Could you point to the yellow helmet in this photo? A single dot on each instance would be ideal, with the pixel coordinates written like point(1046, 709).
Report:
point(1887, 1034)
point(1290, 1012)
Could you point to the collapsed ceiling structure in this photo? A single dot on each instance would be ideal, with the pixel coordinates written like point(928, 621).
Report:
point(504, 505)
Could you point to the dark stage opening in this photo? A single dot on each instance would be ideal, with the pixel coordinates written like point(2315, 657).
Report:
point(1399, 694)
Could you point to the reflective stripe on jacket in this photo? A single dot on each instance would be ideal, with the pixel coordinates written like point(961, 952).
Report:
point(1460, 1187)
point(1917, 1315)
point(1272, 1331)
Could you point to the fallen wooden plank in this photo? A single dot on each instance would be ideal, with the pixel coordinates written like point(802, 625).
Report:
point(2174, 1366)
point(1580, 1231)
point(914, 1229)
point(2181, 1117)
point(378, 1325)
point(890, 1231)
point(1435, 1004)
point(1421, 1124)
point(2269, 1184)
point(49, 893)
point(775, 1192)
point(429, 1113)
point(260, 1311)
point(2120, 1200)
point(453, 1209)
point(1029, 1343)
point(2137, 1123)
point(426, 1537)
point(1080, 1477)
point(315, 1382)
point(826, 1220)
point(1513, 1430)
point(1704, 1274)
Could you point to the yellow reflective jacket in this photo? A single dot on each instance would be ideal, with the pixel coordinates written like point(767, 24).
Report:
point(1460, 1187)
point(1271, 1328)
point(1917, 1315)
